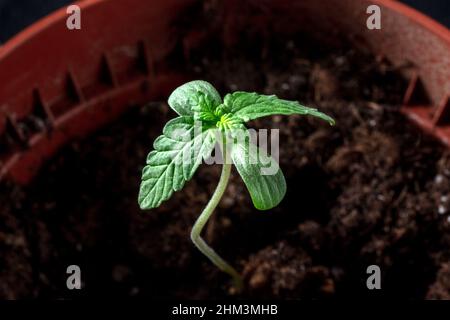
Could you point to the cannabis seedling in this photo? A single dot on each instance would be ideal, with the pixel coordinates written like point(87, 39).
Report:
point(205, 121)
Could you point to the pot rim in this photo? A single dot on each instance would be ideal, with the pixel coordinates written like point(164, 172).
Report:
point(47, 21)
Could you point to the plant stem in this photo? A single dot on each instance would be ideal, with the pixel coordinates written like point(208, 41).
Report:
point(203, 218)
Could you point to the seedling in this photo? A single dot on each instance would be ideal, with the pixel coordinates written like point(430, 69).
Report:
point(205, 121)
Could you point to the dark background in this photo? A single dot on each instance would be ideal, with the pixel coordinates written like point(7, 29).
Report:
point(15, 15)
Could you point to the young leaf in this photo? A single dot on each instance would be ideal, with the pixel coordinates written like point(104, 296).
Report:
point(185, 98)
point(250, 105)
point(204, 108)
point(266, 191)
point(178, 153)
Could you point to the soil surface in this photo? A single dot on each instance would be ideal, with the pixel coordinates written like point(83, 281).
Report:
point(371, 190)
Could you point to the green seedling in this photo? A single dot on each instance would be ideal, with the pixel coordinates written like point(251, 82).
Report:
point(204, 122)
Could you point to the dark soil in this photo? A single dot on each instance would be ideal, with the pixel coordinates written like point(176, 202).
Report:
point(371, 190)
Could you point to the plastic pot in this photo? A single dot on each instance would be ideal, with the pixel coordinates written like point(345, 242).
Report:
point(57, 85)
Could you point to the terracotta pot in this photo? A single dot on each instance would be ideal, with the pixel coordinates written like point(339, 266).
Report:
point(57, 85)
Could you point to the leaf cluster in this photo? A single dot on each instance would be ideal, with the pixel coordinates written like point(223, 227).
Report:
point(203, 121)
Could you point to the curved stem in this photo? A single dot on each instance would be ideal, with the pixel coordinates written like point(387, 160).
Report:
point(203, 218)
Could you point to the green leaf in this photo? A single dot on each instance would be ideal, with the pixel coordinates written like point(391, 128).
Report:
point(250, 105)
point(177, 155)
point(186, 98)
point(204, 108)
point(266, 190)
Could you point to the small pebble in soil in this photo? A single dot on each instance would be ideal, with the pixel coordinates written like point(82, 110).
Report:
point(439, 179)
